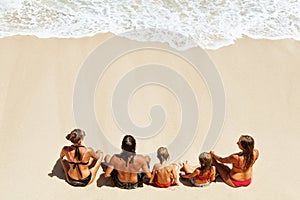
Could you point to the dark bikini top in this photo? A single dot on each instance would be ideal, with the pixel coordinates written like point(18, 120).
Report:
point(78, 156)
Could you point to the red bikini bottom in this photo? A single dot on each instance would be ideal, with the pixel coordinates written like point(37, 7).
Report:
point(165, 185)
point(239, 183)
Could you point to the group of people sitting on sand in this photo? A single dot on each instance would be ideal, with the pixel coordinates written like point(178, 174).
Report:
point(130, 170)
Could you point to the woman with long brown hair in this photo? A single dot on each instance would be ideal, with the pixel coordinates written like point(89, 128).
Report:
point(241, 172)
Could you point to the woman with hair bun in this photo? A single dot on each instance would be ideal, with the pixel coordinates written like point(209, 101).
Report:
point(79, 162)
point(241, 172)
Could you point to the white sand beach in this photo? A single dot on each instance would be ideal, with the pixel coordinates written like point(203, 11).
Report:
point(38, 76)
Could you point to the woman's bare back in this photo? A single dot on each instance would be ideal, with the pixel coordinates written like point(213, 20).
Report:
point(238, 172)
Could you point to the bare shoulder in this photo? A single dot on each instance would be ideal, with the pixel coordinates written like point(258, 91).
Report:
point(90, 150)
point(114, 158)
point(234, 156)
point(140, 157)
point(156, 166)
point(173, 167)
point(170, 168)
point(196, 171)
point(63, 151)
point(65, 148)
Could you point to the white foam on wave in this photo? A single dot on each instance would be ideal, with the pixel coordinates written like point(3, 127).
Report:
point(11, 4)
point(183, 24)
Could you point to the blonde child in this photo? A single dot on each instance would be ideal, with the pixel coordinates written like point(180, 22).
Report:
point(203, 175)
point(163, 175)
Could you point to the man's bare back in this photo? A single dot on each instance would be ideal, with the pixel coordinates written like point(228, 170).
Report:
point(128, 170)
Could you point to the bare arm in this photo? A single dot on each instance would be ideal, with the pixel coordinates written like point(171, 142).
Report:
point(230, 159)
point(61, 158)
point(62, 153)
point(146, 170)
point(153, 173)
point(213, 174)
point(93, 154)
point(108, 171)
point(110, 167)
point(195, 173)
point(174, 173)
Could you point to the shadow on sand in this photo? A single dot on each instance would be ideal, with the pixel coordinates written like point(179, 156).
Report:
point(188, 183)
point(102, 181)
point(57, 171)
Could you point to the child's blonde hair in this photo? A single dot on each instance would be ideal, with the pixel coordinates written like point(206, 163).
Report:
point(205, 160)
point(162, 154)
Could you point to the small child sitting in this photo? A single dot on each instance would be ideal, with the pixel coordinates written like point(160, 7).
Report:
point(203, 175)
point(163, 175)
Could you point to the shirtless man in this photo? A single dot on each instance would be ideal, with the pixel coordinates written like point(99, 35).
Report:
point(127, 167)
point(163, 175)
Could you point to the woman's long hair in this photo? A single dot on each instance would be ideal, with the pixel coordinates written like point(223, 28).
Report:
point(247, 142)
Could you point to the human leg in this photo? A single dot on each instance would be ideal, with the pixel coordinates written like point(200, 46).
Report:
point(66, 167)
point(224, 171)
point(188, 169)
point(194, 182)
point(97, 165)
point(105, 162)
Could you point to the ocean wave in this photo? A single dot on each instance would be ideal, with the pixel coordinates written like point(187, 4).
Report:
point(183, 24)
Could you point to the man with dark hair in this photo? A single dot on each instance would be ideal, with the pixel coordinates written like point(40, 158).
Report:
point(127, 169)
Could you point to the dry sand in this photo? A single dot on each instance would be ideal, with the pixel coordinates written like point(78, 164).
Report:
point(261, 82)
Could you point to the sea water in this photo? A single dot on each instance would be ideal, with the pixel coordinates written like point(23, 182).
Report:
point(183, 24)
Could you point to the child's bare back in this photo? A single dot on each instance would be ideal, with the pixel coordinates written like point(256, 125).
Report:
point(163, 175)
